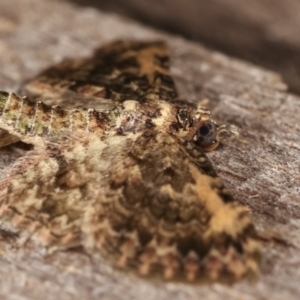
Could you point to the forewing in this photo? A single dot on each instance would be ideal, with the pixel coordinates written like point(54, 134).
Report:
point(119, 71)
point(146, 201)
point(165, 210)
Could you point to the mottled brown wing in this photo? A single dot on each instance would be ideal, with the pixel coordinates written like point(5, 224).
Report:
point(122, 70)
point(145, 201)
point(164, 209)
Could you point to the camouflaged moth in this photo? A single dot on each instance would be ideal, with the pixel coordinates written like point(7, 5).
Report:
point(119, 167)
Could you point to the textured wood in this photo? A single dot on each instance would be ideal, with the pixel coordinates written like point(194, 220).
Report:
point(261, 168)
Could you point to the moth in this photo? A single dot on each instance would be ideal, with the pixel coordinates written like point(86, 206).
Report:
point(118, 167)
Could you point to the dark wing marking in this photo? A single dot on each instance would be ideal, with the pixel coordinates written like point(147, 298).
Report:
point(119, 71)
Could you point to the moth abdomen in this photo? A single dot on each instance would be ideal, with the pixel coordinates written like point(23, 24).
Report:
point(97, 121)
point(11, 106)
point(41, 120)
point(21, 116)
point(60, 122)
point(17, 113)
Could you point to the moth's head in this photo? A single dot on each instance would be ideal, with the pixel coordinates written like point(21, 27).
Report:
point(201, 129)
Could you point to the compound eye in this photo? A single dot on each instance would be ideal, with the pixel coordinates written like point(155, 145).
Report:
point(206, 134)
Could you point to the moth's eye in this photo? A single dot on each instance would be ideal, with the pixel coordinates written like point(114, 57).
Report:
point(206, 134)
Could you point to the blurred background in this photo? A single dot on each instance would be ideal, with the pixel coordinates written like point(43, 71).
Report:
point(264, 32)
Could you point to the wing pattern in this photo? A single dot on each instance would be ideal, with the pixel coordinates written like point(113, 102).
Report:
point(118, 168)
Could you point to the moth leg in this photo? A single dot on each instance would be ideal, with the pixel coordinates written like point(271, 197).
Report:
point(226, 131)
